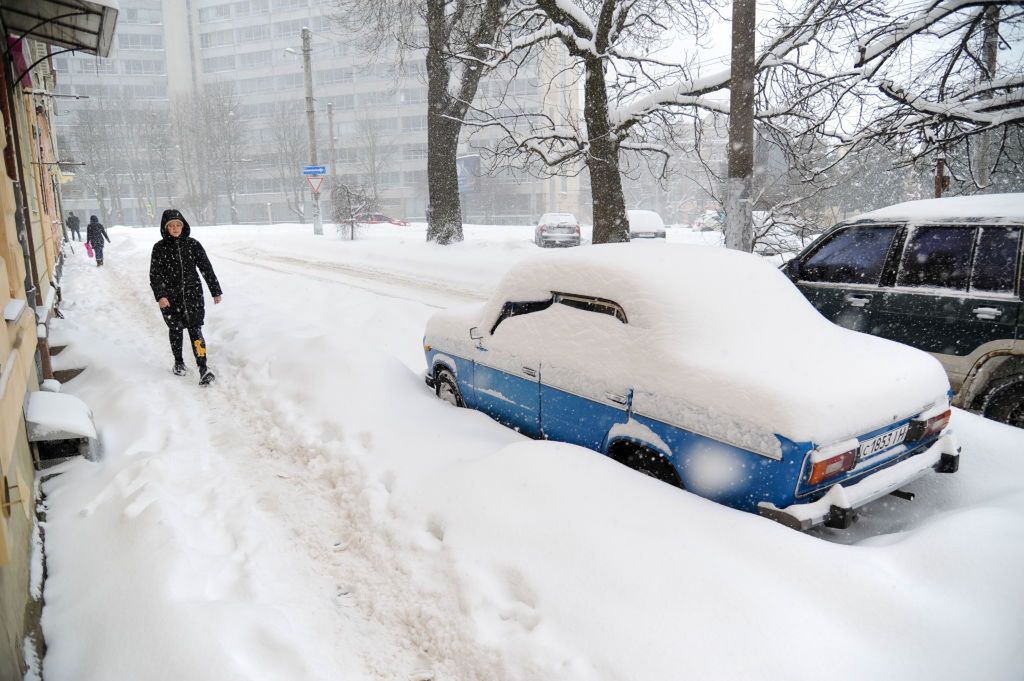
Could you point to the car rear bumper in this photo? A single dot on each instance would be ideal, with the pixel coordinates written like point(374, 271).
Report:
point(836, 508)
point(560, 239)
point(646, 235)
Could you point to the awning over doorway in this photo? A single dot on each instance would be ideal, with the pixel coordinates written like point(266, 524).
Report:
point(86, 25)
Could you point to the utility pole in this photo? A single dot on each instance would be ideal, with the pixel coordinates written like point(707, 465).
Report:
point(307, 50)
point(739, 228)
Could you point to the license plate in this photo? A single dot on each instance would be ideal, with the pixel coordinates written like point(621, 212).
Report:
point(884, 441)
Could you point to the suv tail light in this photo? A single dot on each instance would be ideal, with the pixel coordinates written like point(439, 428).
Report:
point(543, 228)
point(577, 229)
point(828, 462)
point(922, 428)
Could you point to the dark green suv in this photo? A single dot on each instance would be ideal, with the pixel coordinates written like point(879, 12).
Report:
point(942, 275)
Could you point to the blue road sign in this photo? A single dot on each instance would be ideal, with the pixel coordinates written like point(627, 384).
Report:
point(314, 170)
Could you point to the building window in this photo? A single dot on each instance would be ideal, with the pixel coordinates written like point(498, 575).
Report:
point(214, 64)
point(142, 15)
point(138, 41)
point(253, 34)
point(254, 60)
point(289, 29)
point(414, 152)
point(330, 76)
point(218, 13)
point(413, 123)
point(143, 66)
point(416, 95)
point(217, 38)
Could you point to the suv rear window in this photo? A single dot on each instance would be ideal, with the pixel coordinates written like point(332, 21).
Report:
point(854, 255)
point(995, 260)
point(937, 256)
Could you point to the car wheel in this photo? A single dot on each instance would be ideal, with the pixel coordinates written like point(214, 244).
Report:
point(1005, 402)
point(447, 388)
point(648, 462)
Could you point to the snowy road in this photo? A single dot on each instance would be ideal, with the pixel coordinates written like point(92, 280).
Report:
point(319, 515)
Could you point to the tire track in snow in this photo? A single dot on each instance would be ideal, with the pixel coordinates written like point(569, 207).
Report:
point(432, 292)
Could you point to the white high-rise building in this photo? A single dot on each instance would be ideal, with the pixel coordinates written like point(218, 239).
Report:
point(250, 50)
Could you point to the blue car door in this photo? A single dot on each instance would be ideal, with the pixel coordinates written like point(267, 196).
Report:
point(585, 377)
point(506, 378)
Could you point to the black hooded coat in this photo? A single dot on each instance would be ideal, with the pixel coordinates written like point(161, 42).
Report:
point(95, 233)
point(173, 275)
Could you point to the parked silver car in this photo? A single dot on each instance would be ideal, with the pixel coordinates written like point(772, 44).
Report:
point(557, 229)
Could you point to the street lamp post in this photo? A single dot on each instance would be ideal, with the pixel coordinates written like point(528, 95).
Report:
point(307, 49)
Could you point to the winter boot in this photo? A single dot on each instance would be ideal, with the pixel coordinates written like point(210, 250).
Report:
point(207, 377)
point(179, 369)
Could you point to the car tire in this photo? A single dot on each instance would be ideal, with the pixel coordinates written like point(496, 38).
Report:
point(447, 388)
point(1004, 402)
point(648, 462)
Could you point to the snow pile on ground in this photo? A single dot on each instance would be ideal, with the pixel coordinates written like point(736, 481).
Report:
point(318, 514)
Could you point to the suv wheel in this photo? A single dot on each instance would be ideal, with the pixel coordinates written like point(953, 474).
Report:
point(1004, 402)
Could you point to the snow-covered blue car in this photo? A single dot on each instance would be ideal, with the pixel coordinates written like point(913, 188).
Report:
point(702, 367)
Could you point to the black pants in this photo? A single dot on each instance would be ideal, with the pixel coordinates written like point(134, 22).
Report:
point(76, 235)
point(198, 345)
point(98, 250)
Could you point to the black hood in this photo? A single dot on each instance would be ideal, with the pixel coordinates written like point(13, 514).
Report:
point(173, 214)
point(93, 219)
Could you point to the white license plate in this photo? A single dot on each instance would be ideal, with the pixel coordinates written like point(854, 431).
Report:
point(884, 441)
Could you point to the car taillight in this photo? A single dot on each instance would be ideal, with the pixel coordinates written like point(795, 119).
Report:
point(828, 462)
point(577, 229)
point(922, 428)
point(543, 228)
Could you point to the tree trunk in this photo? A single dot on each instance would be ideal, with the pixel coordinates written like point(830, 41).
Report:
point(444, 211)
point(610, 224)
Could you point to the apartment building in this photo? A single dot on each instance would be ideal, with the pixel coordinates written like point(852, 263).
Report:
point(249, 51)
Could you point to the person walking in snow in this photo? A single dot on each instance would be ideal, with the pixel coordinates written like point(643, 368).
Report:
point(95, 233)
point(73, 224)
point(176, 287)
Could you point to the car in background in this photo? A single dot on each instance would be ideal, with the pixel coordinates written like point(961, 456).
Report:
point(645, 224)
point(942, 275)
point(557, 229)
point(379, 219)
point(743, 394)
point(709, 221)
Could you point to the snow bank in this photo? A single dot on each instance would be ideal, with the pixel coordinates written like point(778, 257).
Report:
point(318, 514)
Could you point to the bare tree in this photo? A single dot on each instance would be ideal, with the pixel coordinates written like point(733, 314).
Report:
point(938, 69)
point(288, 143)
point(196, 165)
point(460, 44)
point(374, 151)
point(93, 141)
point(633, 103)
point(225, 130)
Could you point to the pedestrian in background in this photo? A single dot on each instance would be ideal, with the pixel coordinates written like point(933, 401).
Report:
point(175, 282)
point(73, 224)
point(95, 234)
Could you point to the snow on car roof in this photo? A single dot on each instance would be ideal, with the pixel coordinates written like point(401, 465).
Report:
point(738, 334)
point(644, 219)
point(1004, 207)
